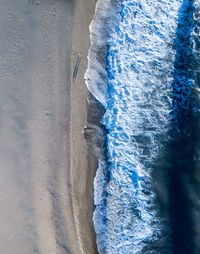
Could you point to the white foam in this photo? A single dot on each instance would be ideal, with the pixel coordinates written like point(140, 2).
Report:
point(102, 26)
point(138, 104)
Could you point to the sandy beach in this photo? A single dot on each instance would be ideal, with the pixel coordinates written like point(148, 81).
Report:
point(46, 181)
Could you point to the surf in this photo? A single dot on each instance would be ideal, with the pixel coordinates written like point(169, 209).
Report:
point(135, 78)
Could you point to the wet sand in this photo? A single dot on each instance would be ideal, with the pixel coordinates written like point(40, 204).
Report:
point(46, 180)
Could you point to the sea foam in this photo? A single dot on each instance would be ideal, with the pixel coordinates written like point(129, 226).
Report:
point(131, 72)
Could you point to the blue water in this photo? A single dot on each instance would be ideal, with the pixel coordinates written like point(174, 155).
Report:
point(149, 88)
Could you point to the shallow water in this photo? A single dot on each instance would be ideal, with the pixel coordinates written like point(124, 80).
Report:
point(147, 183)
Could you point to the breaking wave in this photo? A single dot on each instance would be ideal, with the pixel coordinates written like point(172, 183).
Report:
point(143, 68)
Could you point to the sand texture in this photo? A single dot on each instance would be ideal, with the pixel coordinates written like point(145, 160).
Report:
point(46, 181)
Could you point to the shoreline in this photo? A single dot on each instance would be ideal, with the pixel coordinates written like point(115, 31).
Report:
point(83, 167)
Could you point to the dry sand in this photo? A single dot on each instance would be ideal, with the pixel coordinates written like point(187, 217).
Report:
point(46, 181)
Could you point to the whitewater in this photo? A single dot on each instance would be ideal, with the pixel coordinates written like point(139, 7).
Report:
point(142, 69)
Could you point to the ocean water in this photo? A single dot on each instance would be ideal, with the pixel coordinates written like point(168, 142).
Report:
point(146, 76)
